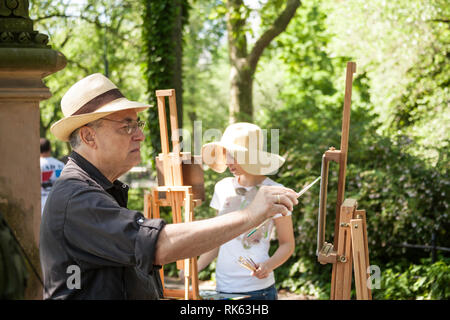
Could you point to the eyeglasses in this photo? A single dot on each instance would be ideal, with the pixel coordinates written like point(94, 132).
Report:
point(131, 125)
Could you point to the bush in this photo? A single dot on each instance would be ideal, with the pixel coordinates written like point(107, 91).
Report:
point(424, 281)
point(404, 197)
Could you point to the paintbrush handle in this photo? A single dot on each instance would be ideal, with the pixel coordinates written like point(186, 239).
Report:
point(246, 267)
point(307, 187)
point(298, 195)
point(257, 228)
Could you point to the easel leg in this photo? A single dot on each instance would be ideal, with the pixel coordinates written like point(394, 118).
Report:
point(195, 289)
point(342, 269)
point(360, 256)
point(147, 205)
point(176, 198)
point(187, 262)
point(190, 265)
point(155, 206)
point(366, 245)
point(151, 211)
point(187, 275)
point(194, 277)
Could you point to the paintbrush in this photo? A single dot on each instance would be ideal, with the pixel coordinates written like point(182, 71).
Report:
point(248, 264)
point(298, 195)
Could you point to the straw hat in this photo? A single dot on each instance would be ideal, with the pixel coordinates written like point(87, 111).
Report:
point(89, 99)
point(244, 142)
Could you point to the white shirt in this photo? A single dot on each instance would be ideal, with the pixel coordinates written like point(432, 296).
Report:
point(50, 170)
point(230, 276)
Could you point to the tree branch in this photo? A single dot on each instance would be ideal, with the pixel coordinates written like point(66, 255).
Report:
point(278, 27)
point(440, 20)
point(54, 15)
point(79, 65)
point(95, 22)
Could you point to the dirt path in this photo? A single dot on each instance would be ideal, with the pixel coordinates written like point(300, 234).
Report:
point(283, 294)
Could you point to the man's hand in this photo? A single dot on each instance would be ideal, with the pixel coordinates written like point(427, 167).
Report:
point(184, 240)
point(271, 200)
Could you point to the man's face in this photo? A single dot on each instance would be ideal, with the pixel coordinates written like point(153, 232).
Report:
point(116, 148)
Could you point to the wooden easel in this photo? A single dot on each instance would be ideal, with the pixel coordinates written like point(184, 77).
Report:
point(350, 246)
point(174, 191)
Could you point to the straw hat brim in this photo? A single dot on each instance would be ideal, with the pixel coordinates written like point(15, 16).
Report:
point(261, 162)
point(63, 128)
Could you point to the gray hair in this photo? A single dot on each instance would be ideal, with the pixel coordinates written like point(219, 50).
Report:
point(74, 138)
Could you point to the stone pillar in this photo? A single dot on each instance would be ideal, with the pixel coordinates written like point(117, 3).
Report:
point(25, 59)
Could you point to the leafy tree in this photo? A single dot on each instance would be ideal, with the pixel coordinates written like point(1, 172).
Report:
point(402, 46)
point(243, 62)
point(205, 68)
point(94, 36)
point(399, 191)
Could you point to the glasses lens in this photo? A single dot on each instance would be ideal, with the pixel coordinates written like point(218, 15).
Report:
point(141, 124)
point(132, 127)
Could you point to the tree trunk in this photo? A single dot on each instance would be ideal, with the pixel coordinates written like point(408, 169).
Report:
point(177, 72)
point(240, 76)
point(242, 63)
point(241, 94)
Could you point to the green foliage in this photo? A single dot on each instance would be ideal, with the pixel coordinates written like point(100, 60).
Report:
point(399, 191)
point(402, 46)
point(423, 281)
point(304, 277)
point(406, 199)
point(136, 199)
point(205, 70)
point(94, 36)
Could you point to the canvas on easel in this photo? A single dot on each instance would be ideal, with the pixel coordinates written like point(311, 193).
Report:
point(180, 184)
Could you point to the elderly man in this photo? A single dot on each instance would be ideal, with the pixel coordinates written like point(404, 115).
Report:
point(91, 245)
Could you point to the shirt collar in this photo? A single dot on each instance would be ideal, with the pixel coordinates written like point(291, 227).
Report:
point(91, 170)
point(117, 189)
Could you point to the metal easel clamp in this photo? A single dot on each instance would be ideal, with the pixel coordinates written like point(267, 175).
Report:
point(327, 254)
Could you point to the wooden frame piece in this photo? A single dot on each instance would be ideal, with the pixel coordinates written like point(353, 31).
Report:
point(177, 195)
point(352, 251)
point(360, 255)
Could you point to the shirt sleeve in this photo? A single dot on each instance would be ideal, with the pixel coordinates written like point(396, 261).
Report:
point(215, 201)
point(100, 233)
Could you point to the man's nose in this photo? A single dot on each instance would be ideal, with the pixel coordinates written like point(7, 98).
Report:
point(139, 135)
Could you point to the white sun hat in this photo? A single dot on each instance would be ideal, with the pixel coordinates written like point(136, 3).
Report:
point(245, 143)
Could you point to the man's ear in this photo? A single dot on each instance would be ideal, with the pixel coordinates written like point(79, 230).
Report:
point(87, 135)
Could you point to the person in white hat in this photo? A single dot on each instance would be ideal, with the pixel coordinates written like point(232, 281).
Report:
point(91, 245)
point(241, 151)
